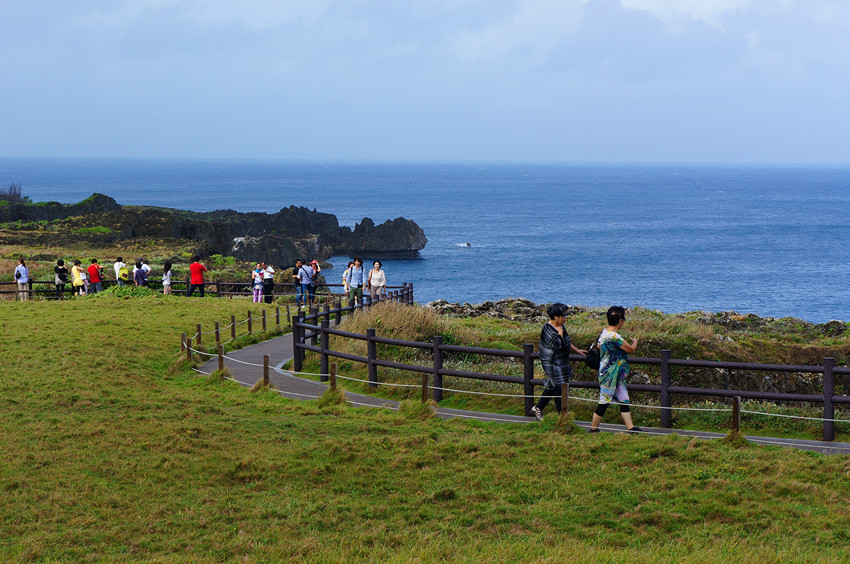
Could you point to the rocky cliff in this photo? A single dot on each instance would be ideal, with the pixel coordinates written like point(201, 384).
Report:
point(279, 238)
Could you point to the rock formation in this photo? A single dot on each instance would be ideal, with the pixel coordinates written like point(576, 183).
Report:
point(279, 238)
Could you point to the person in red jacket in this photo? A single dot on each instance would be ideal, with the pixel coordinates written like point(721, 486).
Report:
point(196, 276)
point(95, 277)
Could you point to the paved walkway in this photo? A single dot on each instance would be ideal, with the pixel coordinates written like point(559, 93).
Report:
point(246, 367)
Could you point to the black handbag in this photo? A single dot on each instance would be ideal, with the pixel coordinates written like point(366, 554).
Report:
point(592, 358)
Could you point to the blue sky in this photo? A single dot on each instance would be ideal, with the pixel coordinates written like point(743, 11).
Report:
point(537, 80)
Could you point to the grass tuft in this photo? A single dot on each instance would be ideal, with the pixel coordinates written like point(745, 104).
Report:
point(414, 409)
point(735, 439)
point(333, 397)
point(566, 424)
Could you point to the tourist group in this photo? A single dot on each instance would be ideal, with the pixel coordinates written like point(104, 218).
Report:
point(86, 280)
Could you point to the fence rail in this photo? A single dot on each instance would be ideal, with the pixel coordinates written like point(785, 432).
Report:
point(216, 288)
point(315, 325)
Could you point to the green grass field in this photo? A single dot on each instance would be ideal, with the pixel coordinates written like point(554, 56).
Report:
point(114, 450)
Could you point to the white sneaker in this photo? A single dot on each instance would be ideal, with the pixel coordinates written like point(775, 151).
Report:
point(537, 413)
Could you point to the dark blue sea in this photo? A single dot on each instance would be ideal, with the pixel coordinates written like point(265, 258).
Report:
point(770, 240)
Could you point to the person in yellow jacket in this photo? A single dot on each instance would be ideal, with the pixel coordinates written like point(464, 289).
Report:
point(77, 278)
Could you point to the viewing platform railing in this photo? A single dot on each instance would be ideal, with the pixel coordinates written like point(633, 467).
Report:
point(311, 332)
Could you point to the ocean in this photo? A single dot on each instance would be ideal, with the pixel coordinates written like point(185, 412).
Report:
point(769, 240)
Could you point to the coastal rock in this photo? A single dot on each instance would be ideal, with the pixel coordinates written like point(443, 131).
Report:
point(278, 238)
point(515, 309)
point(49, 211)
point(397, 237)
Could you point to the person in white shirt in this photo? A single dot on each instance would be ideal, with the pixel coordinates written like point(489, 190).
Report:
point(377, 281)
point(22, 277)
point(268, 282)
point(119, 264)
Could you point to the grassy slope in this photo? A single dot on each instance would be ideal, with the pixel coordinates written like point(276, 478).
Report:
point(108, 455)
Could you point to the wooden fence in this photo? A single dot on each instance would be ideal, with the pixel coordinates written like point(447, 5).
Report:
point(312, 331)
point(217, 288)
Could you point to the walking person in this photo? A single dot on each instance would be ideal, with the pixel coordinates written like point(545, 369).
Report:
point(377, 281)
point(78, 278)
point(166, 278)
point(196, 276)
point(356, 280)
point(95, 273)
point(268, 282)
point(555, 346)
point(345, 277)
point(60, 278)
point(257, 284)
point(22, 277)
point(614, 369)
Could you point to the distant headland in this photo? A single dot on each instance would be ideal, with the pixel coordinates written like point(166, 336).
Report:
point(281, 238)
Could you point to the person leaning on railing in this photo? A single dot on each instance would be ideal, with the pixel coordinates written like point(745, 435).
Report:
point(22, 277)
point(60, 278)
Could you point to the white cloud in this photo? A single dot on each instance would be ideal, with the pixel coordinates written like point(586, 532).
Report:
point(674, 11)
point(535, 25)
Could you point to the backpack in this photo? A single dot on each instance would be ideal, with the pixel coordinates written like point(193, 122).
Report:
point(123, 273)
point(592, 358)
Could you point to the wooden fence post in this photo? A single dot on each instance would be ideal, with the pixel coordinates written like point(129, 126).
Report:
point(182, 342)
point(424, 387)
point(220, 357)
point(288, 315)
point(217, 332)
point(437, 385)
point(736, 414)
point(333, 376)
point(188, 349)
point(828, 405)
point(198, 341)
point(232, 326)
point(277, 317)
point(250, 323)
point(296, 340)
point(314, 314)
point(338, 312)
point(666, 400)
point(410, 293)
point(372, 354)
point(264, 321)
point(323, 357)
point(266, 370)
point(527, 376)
point(218, 288)
point(565, 397)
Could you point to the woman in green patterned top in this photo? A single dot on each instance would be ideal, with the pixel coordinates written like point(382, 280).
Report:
point(614, 369)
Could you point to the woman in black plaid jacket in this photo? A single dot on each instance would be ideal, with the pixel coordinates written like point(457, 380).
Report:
point(555, 347)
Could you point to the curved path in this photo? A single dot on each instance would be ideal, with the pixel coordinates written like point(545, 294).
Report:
point(246, 368)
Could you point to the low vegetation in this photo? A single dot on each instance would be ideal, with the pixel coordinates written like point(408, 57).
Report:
point(115, 451)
